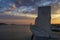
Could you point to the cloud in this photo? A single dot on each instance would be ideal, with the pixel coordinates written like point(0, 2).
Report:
point(24, 9)
point(6, 5)
point(35, 2)
point(18, 16)
point(23, 3)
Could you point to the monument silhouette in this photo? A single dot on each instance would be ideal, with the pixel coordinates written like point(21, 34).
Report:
point(42, 22)
point(43, 26)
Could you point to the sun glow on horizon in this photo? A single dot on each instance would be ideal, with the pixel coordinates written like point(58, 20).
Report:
point(55, 18)
point(26, 15)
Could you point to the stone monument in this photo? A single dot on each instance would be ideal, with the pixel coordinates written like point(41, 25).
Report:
point(42, 26)
point(42, 22)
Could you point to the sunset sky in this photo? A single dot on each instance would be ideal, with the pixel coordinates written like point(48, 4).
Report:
point(25, 11)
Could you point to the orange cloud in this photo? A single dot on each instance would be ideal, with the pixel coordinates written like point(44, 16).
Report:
point(55, 21)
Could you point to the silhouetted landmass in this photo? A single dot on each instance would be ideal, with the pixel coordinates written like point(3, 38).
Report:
point(14, 24)
point(3, 24)
point(56, 25)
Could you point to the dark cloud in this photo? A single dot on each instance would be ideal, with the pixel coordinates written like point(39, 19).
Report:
point(24, 2)
point(35, 2)
point(6, 4)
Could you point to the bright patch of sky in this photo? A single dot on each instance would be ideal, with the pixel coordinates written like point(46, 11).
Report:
point(5, 5)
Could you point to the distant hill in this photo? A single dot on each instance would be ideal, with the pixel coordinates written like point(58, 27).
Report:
point(56, 25)
point(3, 24)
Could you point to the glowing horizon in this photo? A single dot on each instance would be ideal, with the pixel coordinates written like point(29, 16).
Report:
point(20, 12)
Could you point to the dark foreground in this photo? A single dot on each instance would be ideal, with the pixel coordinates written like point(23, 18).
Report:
point(15, 32)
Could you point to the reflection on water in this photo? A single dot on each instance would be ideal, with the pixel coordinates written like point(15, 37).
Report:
point(14, 32)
